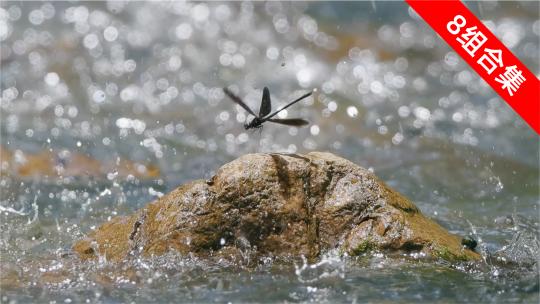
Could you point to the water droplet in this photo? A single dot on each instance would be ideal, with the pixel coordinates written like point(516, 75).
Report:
point(352, 111)
point(90, 41)
point(314, 130)
point(52, 79)
point(183, 31)
point(110, 33)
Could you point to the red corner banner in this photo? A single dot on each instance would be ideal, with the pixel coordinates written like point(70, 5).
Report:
point(475, 43)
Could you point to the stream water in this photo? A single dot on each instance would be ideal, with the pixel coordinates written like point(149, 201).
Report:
point(105, 106)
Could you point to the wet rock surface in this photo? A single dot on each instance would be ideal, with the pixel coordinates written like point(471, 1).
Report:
point(277, 205)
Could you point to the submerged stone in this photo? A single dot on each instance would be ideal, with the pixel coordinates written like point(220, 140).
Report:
point(60, 164)
point(279, 205)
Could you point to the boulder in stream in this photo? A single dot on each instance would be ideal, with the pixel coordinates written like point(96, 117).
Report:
point(281, 205)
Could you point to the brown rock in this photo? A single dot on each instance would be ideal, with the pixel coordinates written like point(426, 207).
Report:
point(10, 276)
point(64, 163)
point(280, 205)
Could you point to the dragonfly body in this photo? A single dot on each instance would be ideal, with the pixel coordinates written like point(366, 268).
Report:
point(264, 112)
point(255, 123)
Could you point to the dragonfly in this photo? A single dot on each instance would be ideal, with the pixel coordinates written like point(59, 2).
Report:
point(265, 109)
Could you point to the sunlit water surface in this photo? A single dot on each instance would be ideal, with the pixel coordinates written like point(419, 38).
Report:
point(142, 82)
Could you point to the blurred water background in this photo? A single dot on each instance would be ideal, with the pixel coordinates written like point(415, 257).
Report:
point(105, 106)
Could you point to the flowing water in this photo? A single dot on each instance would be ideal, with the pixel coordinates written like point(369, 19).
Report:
point(107, 105)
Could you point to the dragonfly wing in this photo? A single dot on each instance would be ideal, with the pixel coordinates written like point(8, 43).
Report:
point(297, 122)
point(238, 101)
point(288, 105)
point(266, 104)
